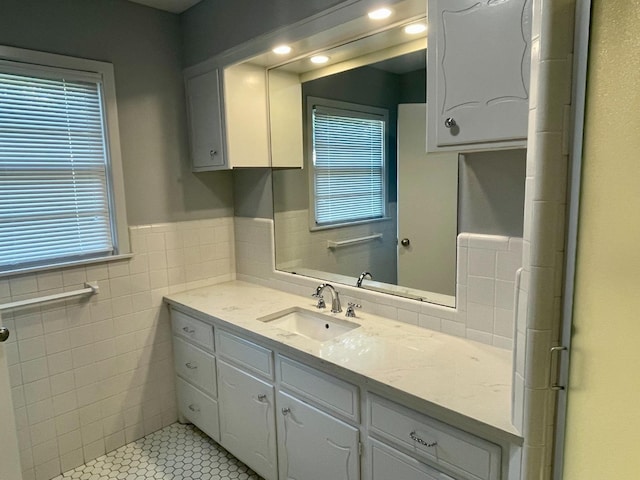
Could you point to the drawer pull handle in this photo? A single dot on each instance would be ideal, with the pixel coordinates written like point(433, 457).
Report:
point(421, 441)
point(194, 408)
point(191, 366)
point(262, 397)
point(188, 330)
point(286, 411)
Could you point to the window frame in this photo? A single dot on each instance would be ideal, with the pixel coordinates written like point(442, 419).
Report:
point(364, 110)
point(12, 58)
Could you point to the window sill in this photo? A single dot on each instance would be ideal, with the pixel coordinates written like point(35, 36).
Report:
point(57, 266)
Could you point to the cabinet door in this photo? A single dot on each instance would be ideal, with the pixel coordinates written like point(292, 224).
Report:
point(205, 121)
point(388, 463)
point(478, 68)
point(247, 419)
point(313, 445)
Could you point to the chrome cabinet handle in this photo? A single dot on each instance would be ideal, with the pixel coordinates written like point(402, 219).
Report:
point(4, 334)
point(213, 153)
point(191, 366)
point(188, 330)
point(421, 441)
point(194, 408)
point(450, 123)
point(262, 397)
point(405, 242)
point(286, 411)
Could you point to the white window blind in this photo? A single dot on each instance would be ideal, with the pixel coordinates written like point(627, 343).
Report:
point(349, 162)
point(54, 195)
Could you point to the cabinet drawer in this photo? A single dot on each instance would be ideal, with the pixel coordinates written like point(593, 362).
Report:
point(195, 365)
point(198, 408)
point(249, 355)
point(387, 463)
point(330, 392)
point(463, 454)
point(195, 330)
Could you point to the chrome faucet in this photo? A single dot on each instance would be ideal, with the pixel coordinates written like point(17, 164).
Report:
point(335, 298)
point(362, 276)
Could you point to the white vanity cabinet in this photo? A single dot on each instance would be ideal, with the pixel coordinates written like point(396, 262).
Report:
point(313, 444)
point(464, 456)
point(205, 119)
point(195, 366)
point(247, 419)
point(478, 64)
point(288, 418)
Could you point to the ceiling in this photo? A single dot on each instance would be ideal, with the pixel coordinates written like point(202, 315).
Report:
point(173, 6)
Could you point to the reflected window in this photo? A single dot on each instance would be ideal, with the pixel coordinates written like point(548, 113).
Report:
point(349, 157)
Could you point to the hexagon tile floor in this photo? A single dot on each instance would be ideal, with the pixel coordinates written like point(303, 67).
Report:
point(176, 452)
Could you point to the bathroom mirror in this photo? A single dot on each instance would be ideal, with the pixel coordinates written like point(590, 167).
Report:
point(367, 198)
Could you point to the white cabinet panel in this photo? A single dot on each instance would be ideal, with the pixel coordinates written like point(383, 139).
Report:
point(198, 408)
point(478, 73)
point(313, 445)
point(330, 392)
point(195, 365)
point(247, 354)
point(192, 329)
point(247, 419)
point(388, 463)
point(205, 121)
point(468, 456)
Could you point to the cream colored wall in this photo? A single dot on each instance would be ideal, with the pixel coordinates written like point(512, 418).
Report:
point(603, 419)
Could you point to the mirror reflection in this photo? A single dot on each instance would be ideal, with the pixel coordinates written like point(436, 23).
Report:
point(369, 205)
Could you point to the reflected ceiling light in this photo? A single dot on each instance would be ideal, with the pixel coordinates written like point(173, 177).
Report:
point(415, 28)
point(379, 14)
point(282, 49)
point(319, 59)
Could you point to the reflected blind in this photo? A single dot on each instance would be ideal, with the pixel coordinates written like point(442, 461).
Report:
point(348, 157)
point(54, 202)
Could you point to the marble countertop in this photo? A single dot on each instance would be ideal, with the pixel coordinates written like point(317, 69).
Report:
point(462, 376)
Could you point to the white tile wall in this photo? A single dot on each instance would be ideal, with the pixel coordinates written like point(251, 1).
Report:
point(538, 309)
point(492, 259)
point(90, 374)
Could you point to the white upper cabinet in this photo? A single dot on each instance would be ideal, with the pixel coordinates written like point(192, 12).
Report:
point(204, 111)
point(478, 74)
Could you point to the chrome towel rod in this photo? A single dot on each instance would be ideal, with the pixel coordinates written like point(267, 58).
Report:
point(352, 241)
point(90, 289)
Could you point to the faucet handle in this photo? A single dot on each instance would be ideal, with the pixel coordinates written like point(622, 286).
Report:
point(351, 312)
point(320, 298)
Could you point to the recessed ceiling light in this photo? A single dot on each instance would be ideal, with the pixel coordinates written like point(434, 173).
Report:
point(282, 49)
point(415, 28)
point(379, 14)
point(319, 59)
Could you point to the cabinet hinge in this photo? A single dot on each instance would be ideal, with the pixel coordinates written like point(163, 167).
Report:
point(360, 448)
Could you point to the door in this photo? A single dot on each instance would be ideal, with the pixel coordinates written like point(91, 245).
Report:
point(427, 207)
point(247, 419)
point(205, 121)
point(313, 445)
point(10, 460)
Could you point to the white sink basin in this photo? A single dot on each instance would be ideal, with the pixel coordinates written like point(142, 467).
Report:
point(309, 324)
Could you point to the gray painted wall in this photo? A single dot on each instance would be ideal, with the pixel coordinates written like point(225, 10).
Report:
point(491, 192)
point(145, 47)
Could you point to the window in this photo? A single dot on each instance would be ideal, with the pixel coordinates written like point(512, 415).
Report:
point(348, 160)
point(56, 195)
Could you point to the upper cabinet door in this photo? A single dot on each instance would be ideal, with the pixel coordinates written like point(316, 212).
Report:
point(205, 121)
point(478, 73)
